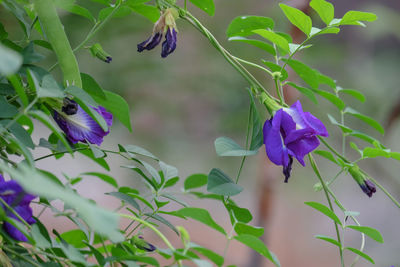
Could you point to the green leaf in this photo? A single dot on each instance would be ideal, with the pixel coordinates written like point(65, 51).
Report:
point(121, 12)
point(214, 257)
point(150, 12)
point(92, 87)
point(305, 91)
point(75, 9)
point(326, 154)
point(226, 147)
point(354, 93)
point(76, 238)
point(244, 25)
point(241, 228)
point(168, 171)
point(163, 220)
point(15, 80)
point(10, 61)
point(328, 239)
point(325, 210)
point(106, 178)
point(219, 183)
point(307, 74)
point(354, 17)
point(43, 118)
point(102, 221)
point(205, 5)
point(139, 151)
point(369, 231)
point(371, 152)
point(257, 136)
point(21, 134)
point(370, 121)
point(362, 254)
point(275, 38)
point(152, 171)
point(125, 198)
point(325, 10)
point(19, 12)
point(6, 109)
point(30, 55)
point(297, 18)
point(241, 214)
point(257, 43)
point(331, 30)
point(202, 216)
point(331, 98)
point(259, 246)
point(171, 182)
point(89, 153)
point(195, 181)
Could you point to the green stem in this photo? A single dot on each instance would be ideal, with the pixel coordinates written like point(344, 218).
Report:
point(55, 33)
point(332, 149)
point(149, 225)
point(325, 187)
point(21, 256)
point(253, 64)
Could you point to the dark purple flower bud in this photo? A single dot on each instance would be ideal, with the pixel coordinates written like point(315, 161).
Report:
point(150, 43)
point(70, 107)
point(142, 244)
point(291, 132)
point(368, 187)
point(169, 45)
point(13, 194)
point(98, 51)
point(80, 127)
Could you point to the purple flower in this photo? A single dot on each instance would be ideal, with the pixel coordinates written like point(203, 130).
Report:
point(169, 45)
point(150, 43)
point(13, 194)
point(368, 187)
point(165, 24)
point(79, 126)
point(291, 132)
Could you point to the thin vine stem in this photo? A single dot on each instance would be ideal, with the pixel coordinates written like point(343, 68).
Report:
point(325, 187)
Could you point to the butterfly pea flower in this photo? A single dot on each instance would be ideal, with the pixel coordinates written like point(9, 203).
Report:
point(165, 25)
point(79, 126)
point(291, 133)
point(15, 197)
point(366, 185)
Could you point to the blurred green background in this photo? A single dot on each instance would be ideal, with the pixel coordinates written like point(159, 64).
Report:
point(181, 104)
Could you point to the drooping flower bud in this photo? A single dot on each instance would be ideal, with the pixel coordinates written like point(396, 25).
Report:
point(140, 243)
point(98, 51)
point(366, 185)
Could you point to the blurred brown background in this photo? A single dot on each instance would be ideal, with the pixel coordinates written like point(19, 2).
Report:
point(181, 104)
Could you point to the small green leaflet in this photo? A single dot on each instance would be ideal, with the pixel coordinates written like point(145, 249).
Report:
point(325, 210)
point(259, 246)
point(224, 146)
point(219, 183)
point(202, 216)
point(325, 10)
point(205, 5)
point(362, 254)
point(370, 121)
point(297, 18)
point(195, 181)
point(244, 25)
point(275, 38)
point(369, 231)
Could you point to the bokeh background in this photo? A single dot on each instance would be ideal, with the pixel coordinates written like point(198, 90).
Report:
point(181, 104)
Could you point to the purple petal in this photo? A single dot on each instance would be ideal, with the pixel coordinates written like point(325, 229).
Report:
point(169, 45)
point(81, 127)
point(14, 232)
point(274, 146)
point(150, 43)
point(302, 147)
